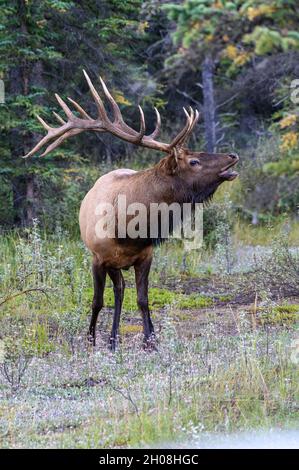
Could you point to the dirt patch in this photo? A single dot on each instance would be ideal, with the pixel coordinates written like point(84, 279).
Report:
point(233, 290)
point(226, 317)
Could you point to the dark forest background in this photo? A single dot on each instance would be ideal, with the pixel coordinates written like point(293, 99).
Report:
point(234, 61)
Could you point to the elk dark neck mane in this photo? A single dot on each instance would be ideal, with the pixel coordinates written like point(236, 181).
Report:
point(163, 184)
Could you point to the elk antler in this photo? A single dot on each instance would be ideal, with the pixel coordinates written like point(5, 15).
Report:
point(74, 125)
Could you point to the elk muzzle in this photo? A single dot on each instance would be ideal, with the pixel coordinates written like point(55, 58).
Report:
point(227, 173)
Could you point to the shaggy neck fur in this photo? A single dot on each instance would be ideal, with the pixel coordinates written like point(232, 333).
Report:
point(167, 186)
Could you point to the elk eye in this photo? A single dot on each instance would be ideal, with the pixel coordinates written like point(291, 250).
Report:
point(194, 162)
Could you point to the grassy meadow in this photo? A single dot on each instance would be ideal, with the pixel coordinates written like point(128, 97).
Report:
point(227, 355)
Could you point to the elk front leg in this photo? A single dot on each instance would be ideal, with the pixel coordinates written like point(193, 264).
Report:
point(142, 270)
point(99, 278)
point(119, 289)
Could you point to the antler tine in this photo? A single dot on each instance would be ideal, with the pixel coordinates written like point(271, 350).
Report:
point(81, 110)
point(58, 141)
point(142, 125)
point(51, 134)
point(118, 116)
point(59, 119)
point(182, 133)
point(191, 117)
point(117, 113)
point(191, 121)
point(194, 118)
point(43, 123)
point(64, 106)
point(99, 102)
point(118, 119)
point(38, 146)
point(154, 134)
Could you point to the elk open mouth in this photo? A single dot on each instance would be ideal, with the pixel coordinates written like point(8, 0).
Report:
point(228, 174)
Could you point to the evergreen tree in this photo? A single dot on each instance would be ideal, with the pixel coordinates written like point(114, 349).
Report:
point(210, 34)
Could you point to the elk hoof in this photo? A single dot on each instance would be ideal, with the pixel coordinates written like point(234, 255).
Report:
point(91, 339)
point(113, 343)
point(150, 343)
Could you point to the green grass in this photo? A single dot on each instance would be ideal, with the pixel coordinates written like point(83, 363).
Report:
point(158, 298)
point(264, 234)
point(135, 404)
point(281, 314)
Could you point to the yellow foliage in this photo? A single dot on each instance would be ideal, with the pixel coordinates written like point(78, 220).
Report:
point(127, 329)
point(231, 52)
point(242, 58)
point(262, 10)
point(217, 4)
point(288, 121)
point(239, 58)
point(142, 26)
point(41, 23)
point(295, 165)
point(119, 97)
point(209, 38)
point(289, 141)
point(197, 25)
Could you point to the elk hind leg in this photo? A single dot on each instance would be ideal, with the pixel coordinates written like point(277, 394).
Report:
point(119, 289)
point(141, 277)
point(99, 279)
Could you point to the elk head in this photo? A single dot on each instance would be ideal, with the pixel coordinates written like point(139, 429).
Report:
point(203, 172)
point(199, 170)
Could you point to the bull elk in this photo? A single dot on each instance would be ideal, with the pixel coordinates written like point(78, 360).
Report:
point(182, 176)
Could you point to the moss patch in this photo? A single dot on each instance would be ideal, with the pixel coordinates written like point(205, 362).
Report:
point(281, 315)
point(130, 329)
point(224, 298)
point(194, 301)
point(159, 298)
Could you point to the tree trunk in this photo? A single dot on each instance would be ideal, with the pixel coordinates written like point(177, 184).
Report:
point(208, 103)
point(30, 199)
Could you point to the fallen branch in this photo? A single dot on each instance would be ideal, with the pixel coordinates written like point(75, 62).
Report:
point(26, 291)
